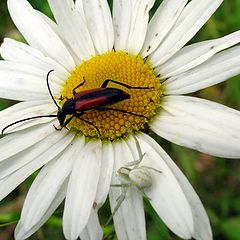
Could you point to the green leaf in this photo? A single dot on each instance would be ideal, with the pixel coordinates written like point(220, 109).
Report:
point(231, 228)
point(156, 230)
point(55, 221)
point(235, 203)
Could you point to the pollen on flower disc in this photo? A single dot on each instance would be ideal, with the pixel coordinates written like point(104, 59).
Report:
point(124, 68)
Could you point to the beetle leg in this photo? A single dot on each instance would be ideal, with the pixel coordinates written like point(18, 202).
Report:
point(107, 81)
point(146, 129)
point(120, 110)
point(67, 121)
point(59, 128)
point(62, 98)
point(81, 84)
point(86, 121)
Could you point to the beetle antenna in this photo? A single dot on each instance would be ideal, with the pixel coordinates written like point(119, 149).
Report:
point(26, 119)
point(49, 90)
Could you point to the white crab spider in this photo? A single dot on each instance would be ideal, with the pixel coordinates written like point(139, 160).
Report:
point(133, 175)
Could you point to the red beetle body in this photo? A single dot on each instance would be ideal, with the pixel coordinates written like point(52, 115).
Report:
point(96, 98)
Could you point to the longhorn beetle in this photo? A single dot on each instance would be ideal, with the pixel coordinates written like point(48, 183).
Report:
point(86, 100)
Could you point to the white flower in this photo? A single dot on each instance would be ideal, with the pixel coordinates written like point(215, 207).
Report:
point(148, 55)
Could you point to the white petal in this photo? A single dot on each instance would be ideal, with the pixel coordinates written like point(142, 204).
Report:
point(82, 189)
point(106, 174)
point(22, 86)
point(161, 23)
point(166, 195)
point(93, 230)
point(195, 54)
point(38, 33)
point(15, 51)
point(192, 18)
point(200, 124)
point(202, 228)
point(79, 7)
point(122, 23)
point(10, 182)
point(100, 25)
point(130, 20)
point(26, 68)
point(19, 160)
point(22, 233)
point(217, 69)
point(17, 142)
point(47, 184)
point(129, 220)
point(24, 110)
point(50, 22)
point(73, 28)
point(61, 34)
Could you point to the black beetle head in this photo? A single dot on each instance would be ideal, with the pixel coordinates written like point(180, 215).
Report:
point(67, 109)
point(61, 116)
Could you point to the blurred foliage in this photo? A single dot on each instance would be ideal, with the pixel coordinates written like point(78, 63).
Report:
point(217, 181)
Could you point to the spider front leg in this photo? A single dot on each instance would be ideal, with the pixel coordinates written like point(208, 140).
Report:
point(119, 200)
point(141, 155)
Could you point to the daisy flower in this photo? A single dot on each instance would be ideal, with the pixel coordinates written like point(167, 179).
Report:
point(86, 45)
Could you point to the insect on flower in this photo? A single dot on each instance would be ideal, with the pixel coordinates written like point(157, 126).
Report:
point(84, 101)
point(133, 175)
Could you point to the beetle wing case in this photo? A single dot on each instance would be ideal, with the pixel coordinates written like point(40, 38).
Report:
point(98, 97)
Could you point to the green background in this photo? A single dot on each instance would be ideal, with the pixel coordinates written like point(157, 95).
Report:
point(216, 180)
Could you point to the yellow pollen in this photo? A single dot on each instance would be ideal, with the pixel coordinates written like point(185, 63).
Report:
point(137, 111)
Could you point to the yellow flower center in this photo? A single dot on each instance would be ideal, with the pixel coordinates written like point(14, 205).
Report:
point(133, 114)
